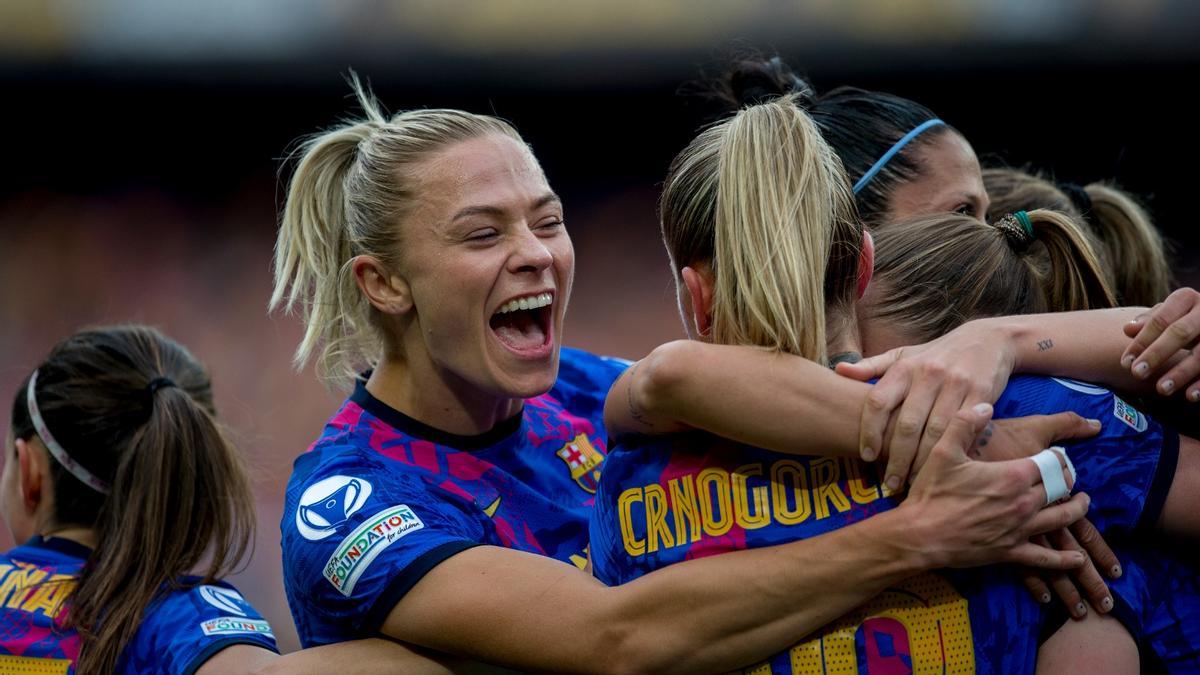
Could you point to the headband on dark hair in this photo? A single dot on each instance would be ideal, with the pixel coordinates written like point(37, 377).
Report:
point(56, 450)
point(1078, 196)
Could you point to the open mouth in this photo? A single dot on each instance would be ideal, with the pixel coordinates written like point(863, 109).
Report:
point(523, 324)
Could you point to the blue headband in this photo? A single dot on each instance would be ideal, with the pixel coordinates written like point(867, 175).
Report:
point(887, 156)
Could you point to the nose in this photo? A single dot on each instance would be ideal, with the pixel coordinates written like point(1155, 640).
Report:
point(530, 253)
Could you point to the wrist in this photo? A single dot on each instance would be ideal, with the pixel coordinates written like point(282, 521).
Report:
point(899, 539)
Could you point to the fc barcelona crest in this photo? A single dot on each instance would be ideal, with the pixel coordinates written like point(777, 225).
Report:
point(582, 459)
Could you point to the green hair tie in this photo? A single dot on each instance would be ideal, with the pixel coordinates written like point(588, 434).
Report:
point(1023, 218)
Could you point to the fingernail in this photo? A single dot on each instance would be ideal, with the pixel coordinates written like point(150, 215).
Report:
point(1116, 571)
point(1106, 603)
point(1095, 424)
point(1080, 609)
point(1142, 369)
point(1045, 599)
point(893, 483)
point(982, 408)
point(868, 455)
point(1127, 361)
point(1167, 386)
point(1194, 396)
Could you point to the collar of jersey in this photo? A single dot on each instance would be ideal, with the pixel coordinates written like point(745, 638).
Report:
point(418, 429)
point(60, 545)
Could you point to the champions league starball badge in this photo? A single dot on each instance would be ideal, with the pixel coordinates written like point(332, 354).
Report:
point(328, 503)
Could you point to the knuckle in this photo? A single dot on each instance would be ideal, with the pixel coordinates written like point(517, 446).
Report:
point(908, 427)
point(876, 401)
point(936, 427)
point(1158, 322)
point(933, 369)
point(1180, 330)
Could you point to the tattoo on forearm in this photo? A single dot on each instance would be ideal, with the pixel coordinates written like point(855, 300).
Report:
point(634, 411)
point(1044, 345)
point(976, 450)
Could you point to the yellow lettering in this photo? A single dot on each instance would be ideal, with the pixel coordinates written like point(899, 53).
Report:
point(708, 479)
point(860, 492)
point(684, 506)
point(759, 495)
point(789, 475)
point(656, 519)
point(825, 477)
point(633, 545)
point(18, 584)
point(50, 595)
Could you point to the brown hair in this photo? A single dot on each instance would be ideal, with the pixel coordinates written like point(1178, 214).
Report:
point(762, 198)
point(351, 188)
point(939, 271)
point(178, 488)
point(1132, 251)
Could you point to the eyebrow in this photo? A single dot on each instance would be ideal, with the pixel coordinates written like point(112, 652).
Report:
point(485, 210)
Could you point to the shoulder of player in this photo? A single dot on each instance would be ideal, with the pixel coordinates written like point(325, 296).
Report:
point(191, 600)
point(580, 369)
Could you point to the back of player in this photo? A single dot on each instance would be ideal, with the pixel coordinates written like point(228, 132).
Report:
point(668, 499)
point(119, 481)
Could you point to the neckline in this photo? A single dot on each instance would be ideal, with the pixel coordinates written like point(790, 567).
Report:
point(419, 429)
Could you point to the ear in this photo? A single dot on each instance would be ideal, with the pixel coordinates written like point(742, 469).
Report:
point(866, 264)
point(698, 284)
point(31, 474)
point(385, 291)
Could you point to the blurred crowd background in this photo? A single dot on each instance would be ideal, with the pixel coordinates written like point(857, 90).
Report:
point(143, 144)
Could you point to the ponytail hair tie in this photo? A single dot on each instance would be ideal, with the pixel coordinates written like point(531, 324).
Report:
point(159, 383)
point(1018, 228)
point(1078, 196)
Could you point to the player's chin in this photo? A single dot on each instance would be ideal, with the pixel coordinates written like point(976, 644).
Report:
point(526, 379)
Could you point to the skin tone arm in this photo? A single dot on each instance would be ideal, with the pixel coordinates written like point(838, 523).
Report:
point(533, 613)
point(948, 374)
point(369, 657)
point(776, 401)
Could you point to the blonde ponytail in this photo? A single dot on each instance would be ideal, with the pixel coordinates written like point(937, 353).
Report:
point(762, 197)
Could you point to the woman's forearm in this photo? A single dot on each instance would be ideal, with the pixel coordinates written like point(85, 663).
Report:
point(776, 401)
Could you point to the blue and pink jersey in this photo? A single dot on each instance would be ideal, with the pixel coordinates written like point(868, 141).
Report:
point(380, 499)
point(668, 499)
point(179, 631)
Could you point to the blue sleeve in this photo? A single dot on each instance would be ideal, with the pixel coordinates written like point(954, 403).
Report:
point(187, 627)
point(583, 382)
point(357, 536)
point(1127, 468)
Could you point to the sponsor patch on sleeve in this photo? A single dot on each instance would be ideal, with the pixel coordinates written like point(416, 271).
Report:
point(236, 625)
point(1129, 415)
point(365, 543)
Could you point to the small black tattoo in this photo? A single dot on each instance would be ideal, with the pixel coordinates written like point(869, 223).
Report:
point(1043, 345)
point(634, 411)
point(981, 442)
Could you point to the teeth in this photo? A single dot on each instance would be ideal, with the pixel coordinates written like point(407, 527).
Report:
point(530, 302)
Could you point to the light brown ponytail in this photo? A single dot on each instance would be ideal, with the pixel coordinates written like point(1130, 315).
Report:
point(934, 273)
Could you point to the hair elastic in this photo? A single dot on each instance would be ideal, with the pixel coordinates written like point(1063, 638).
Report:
point(1078, 196)
point(1018, 227)
point(161, 382)
point(887, 156)
point(75, 468)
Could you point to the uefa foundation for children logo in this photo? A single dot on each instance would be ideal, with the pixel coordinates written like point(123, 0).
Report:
point(328, 503)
